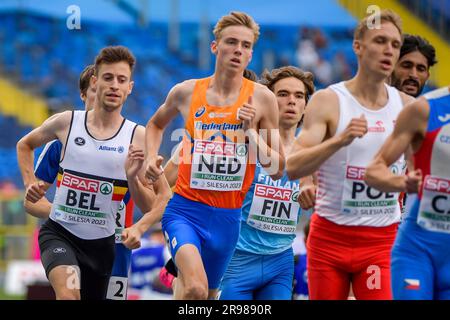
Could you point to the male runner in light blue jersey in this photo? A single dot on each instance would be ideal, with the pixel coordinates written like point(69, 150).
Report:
point(262, 266)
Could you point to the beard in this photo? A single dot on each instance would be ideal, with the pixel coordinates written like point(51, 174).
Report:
point(399, 84)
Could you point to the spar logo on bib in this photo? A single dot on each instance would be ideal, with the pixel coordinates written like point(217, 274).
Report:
point(434, 211)
point(81, 184)
point(295, 196)
point(440, 190)
point(215, 148)
point(277, 201)
point(105, 188)
point(241, 150)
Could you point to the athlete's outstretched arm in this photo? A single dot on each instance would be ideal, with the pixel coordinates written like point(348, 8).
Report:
point(46, 170)
point(267, 140)
point(171, 167)
point(132, 236)
point(410, 129)
point(40, 209)
point(177, 98)
point(141, 192)
point(312, 147)
point(308, 151)
point(55, 127)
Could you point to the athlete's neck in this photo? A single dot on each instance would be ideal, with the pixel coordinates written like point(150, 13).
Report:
point(368, 89)
point(287, 136)
point(226, 84)
point(102, 123)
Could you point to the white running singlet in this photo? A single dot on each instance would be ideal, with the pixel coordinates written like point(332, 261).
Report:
point(342, 195)
point(91, 182)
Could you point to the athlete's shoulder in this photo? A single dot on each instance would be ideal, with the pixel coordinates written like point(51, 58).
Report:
point(262, 89)
point(63, 116)
point(406, 99)
point(184, 88)
point(418, 110)
point(443, 92)
point(325, 97)
point(262, 92)
point(62, 119)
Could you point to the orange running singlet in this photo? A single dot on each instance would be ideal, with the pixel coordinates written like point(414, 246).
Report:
point(214, 170)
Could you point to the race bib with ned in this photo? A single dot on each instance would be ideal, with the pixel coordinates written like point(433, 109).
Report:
point(218, 165)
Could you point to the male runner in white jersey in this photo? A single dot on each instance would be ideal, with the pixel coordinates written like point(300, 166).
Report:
point(48, 162)
point(202, 219)
point(46, 170)
point(77, 241)
point(354, 226)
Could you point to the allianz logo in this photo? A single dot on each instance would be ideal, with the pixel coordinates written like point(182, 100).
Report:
point(119, 149)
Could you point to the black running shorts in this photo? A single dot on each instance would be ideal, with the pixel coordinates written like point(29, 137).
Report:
point(94, 258)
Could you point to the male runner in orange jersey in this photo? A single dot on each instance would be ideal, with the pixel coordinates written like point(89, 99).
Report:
point(201, 222)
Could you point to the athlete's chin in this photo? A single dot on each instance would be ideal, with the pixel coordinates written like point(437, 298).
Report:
point(290, 122)
point(383, 74)
point(110, 107)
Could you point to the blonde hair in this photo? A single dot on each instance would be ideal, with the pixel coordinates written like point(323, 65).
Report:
point(385, 15)
point(236, 18)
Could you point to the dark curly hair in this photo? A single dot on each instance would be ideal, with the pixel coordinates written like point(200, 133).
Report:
point(413, 43)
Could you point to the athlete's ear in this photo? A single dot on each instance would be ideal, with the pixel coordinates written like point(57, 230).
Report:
point(356, 47)
point(214, 47)
point(93, 82)
point(130, 87)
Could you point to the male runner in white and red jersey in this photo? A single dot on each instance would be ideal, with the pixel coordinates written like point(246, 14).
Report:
point(354, 226)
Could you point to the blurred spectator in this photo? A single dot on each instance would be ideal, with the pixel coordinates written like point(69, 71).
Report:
point(306, 34)
point(323, 72)
point(8, 190)
point(320, 42)
point(341, 68)
point(146, 262)
point(307, 56)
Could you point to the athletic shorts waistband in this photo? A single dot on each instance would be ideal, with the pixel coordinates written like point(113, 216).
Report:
point(179, 200)
point(362, 234)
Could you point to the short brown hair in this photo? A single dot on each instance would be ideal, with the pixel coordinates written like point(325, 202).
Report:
point(114, 54)
point(85, 79)
point(386, 15)
point(236, 18)
point(270, 78)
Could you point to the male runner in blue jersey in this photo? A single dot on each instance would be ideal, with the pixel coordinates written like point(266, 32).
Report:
point(421, 254)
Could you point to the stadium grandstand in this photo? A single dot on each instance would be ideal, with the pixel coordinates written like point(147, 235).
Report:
point(44, 45)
